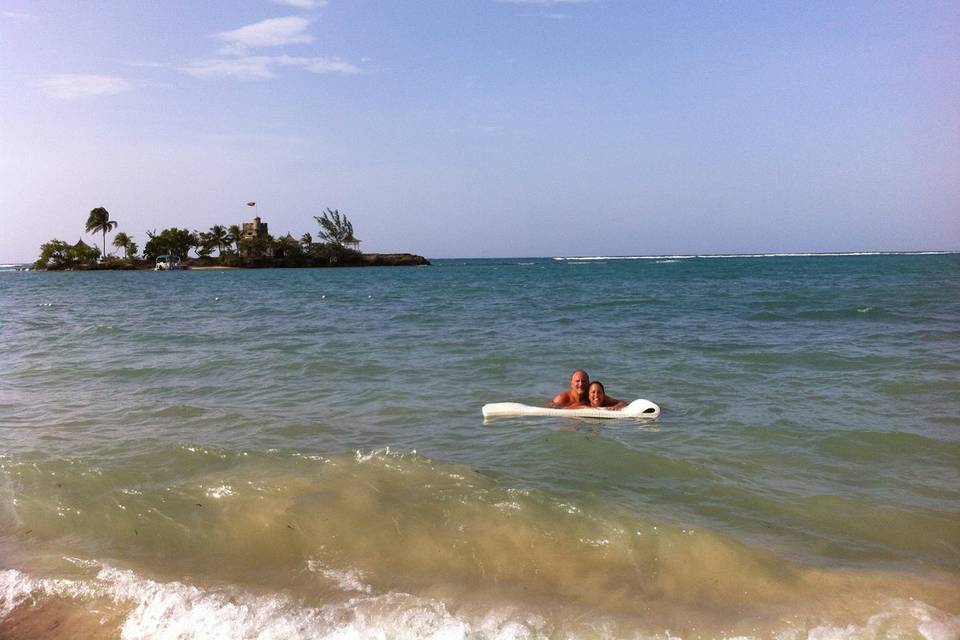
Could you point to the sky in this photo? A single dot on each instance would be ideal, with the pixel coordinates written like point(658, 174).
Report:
point(487, 128)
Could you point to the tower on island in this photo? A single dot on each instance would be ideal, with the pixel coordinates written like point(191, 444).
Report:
point(255, 229)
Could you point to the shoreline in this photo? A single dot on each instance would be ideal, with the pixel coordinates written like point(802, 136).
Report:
point(214, 268)
point(201, 264)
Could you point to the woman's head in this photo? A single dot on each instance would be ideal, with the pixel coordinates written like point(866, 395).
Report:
point(596, 394)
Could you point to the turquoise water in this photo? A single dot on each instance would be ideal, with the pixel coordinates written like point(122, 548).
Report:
point(300, 453)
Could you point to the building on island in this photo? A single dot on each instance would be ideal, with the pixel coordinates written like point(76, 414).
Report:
point(287, 246)
point(352, 243)
point(255, 229)
point(255, 241)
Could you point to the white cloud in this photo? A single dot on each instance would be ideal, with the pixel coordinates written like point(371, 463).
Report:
point(261, 67)
point(303, 4)
point(272, 32)
point(70, 86)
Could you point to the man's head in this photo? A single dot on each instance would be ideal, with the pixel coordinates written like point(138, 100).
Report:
point(579, 383)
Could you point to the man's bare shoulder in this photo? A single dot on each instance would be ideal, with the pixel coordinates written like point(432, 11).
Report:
point(561, 400)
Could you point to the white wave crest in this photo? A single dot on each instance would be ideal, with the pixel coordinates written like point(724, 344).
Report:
point(383, 453)
point(221, 491)
point(348, 580)
point(576, 259)
point(174, 610)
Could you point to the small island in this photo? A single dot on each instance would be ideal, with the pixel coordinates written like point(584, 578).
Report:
point(245, 246)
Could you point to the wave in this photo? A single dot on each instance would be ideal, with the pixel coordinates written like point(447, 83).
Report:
point(119, 602)
point(758, 255)
point(592, 258)
point(794, 311)
point(380, 539)
point(144, 608)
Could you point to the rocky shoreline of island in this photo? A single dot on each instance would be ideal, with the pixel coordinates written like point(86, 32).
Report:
point(245, 246)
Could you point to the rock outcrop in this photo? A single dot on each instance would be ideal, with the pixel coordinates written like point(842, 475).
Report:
point(393, 260)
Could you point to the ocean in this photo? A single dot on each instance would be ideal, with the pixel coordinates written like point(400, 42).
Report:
point(301, 453)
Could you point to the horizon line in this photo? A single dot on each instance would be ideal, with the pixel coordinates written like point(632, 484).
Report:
point(687, 256)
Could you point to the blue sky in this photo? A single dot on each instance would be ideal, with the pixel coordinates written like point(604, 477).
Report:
point(488, 128)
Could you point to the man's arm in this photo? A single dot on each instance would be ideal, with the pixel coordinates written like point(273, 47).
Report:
point(560, 401)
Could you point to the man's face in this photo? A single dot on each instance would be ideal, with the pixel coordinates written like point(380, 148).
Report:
point(579, 382)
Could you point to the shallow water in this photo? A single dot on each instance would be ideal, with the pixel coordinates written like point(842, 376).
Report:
point(300, 453)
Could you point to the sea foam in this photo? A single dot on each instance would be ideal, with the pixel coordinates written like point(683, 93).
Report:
point(177, 610)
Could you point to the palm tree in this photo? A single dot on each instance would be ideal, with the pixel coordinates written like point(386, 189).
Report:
point(305, 241)
point(218, 235)
point(125, 242)
point(236, 234)
point(99, 221)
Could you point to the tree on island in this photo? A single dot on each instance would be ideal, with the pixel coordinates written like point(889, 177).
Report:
point(203, 244)
point(335, 228)
point(125, 242)
point(261, 247)
point(236, 235)
point(99, 222)
point(58, 254)
point(171, 241)
point(219, 236)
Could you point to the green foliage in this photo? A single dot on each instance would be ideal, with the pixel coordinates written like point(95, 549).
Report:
point(235, 234)
point(204, 244)
point(218, 237)
point(230, 258)
point(58, 254)
point(99, 222)
point(53, 253)
point(261, 247)
point(325, 254)
point(287, 247)
point(335, 228)
point(172, 241)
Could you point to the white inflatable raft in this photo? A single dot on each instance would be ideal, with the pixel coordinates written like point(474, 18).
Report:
point(636, 409)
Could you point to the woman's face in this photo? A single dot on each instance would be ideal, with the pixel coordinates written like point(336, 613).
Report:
point(597, 396)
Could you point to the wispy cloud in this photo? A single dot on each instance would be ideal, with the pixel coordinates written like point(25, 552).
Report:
point(543, 3)
point(262, 67)
point(236, 60)
point(71, 86)
point(303, 4)
point(19, 17)
point(247, 68)
point(272, 32)
point(147, 65)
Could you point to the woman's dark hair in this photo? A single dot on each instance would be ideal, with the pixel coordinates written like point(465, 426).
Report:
point(601, 386)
